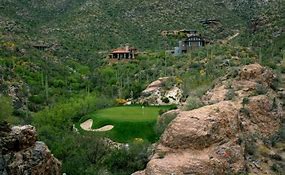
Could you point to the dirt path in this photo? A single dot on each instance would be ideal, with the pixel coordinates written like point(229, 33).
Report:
point(232, 37)
point(229, 38)
point(87, 126)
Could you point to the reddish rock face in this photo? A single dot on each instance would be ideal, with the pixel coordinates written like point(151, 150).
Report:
point(202, 127)
point(21, 153)
point(213, 139)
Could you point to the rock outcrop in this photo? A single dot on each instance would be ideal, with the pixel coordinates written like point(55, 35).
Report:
point(157, 93)
point(22, 154)
point(243, 111)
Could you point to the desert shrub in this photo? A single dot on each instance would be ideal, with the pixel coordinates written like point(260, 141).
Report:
point(120, 101)
point(38, 99)
point(270, 63)
point(276, 82)
point(283, 68)
point(102, 102)
point(229, 85)
point(161, 155)
point(169, 83)
point(276, 168)
point(278, 137)
point(250, 147)
point(193, 103)
point(128, 159)
point(274, 105)
point(62, 114)
point(281, 133)
point(195, 66)
point(233, 72)
point(197, 91)
point(164, 121)
point(263, 150)
point(260, 89)
point(230, 94)
point(276, 157)
point(246, 60)
point(79, 154)
point(245, 111)
point(165, 100)
point(245, 101)
point(6, 108)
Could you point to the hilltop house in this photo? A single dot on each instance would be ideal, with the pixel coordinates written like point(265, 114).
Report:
point(176, 33)
point(123, 53)
point(193, 40)
point(45, 46)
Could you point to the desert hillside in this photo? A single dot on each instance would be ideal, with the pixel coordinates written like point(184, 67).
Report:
point(115, 87)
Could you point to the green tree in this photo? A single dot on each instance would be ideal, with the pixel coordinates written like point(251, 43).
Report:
point(128, 159)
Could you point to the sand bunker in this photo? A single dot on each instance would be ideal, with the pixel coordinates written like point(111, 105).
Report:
point(88, 124)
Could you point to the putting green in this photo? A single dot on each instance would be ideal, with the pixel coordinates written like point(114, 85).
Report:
point(130, 122)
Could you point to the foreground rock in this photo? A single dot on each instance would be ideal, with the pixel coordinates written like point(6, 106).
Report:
point(22, 154)
point(223, 137)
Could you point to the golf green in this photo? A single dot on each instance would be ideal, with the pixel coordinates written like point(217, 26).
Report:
point(130, 122)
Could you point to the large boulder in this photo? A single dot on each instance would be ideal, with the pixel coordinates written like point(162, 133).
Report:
point(214, 139)
point(22, 154)
point(211, 160)
point(201, 128)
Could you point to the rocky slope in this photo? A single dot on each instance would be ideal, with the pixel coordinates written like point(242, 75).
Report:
point(164, 91)
point(21, 153)
point(227, 136)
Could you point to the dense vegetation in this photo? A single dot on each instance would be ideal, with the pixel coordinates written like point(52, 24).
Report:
point(5, 108)
point(70, 62)
point(53, 63)
point(265, 34)
point(87, 23)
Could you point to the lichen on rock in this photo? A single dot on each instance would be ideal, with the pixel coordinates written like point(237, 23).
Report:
point(22, 154)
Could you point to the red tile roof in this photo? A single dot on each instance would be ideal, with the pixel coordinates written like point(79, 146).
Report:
point(123, 50)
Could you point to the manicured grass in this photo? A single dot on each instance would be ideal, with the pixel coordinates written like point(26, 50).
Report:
point(130, 122)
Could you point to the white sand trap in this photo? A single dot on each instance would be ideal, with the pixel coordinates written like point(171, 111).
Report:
point(105, 128)
point(88, 124)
